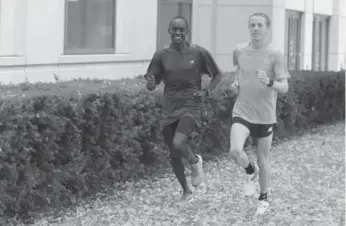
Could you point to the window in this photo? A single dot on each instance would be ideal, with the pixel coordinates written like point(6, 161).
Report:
point(90, 26)
point(167, 9)
point(320, 43)
point(292, 39)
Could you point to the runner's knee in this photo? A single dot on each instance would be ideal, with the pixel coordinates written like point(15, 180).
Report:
point(262, 160)
point(175, 154)
point(179, 146)
point(179, 141)
point(235, 151)
point(168, 134)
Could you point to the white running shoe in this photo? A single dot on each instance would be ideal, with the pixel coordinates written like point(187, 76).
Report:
point(249, 184)
point(197, 173)
point(262, 207)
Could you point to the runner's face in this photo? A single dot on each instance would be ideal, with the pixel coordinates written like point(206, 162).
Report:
point(178, 30)
point(258, 27)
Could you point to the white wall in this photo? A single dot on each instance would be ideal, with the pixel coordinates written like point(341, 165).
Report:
point(222, 24)
point(32, 42)
point(32, 36)
point(323, 7)
point(7, 30)
point(232, 19)
point(299, 5)
point(202, 24)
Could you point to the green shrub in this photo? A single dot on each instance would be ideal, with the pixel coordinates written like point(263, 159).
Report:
point(56, 149)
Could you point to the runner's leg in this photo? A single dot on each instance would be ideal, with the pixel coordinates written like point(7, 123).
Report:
point(180, 143)
point(262, 151)
point(176, 157)
point(239, 132)
point(176, 137)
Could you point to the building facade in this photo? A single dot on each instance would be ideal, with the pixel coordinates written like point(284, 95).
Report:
point(113, 39)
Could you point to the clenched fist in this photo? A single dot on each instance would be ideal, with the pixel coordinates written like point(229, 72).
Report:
point(235, 84)
point(151, 84)
point(262, 77)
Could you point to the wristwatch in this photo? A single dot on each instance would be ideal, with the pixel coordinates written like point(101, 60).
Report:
point(271, 83)
point(206, 91)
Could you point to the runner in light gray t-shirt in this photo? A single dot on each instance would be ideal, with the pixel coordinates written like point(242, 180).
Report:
point(256, 103)
point(261, 75)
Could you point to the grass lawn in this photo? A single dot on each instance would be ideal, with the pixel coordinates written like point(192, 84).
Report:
point(307, 189)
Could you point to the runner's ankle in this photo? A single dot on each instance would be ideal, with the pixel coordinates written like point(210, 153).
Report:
point(263, 197)
point(250, 168)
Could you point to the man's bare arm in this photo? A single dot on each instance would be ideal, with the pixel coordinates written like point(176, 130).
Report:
point(281, 73)
point(214, 82)
point(281, 86)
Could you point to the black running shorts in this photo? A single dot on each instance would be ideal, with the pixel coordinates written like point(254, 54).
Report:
point(256, 130)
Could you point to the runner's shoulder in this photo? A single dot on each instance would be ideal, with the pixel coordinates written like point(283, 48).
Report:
point(165, 47)
point(241, 47)
point(198, 48)
point(161, 51)
point(274, 52)
point(277, 54)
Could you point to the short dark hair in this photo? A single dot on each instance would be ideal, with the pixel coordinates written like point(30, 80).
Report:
point(179, 17)
point(265, 16)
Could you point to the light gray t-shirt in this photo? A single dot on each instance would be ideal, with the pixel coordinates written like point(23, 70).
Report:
point(256, 102)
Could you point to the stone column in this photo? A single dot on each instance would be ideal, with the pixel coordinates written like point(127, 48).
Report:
point(336, 59)
point(306, 37)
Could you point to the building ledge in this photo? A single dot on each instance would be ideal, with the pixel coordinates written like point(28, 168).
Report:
point(8, 61)
point(98, 58)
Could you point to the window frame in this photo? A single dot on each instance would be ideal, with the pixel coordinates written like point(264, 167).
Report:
point(320, 19)
point(89, 51)
point(295, 15)
point(180, 10)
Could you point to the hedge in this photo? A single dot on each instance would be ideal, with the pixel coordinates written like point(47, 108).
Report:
point(59, 148)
